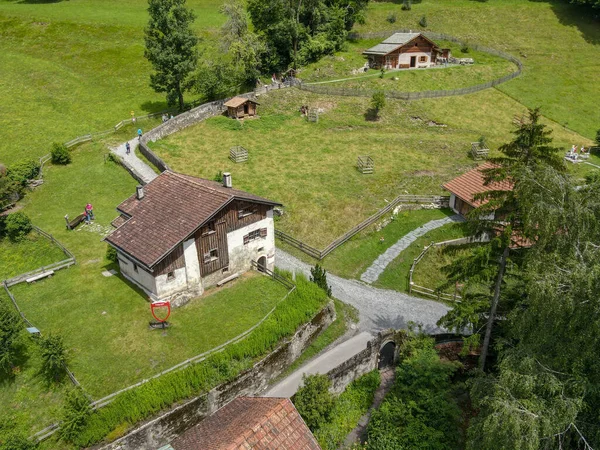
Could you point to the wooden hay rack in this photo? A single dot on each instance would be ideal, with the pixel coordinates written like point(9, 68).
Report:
point(365, 164)
point(238, 154)
point(477, 152)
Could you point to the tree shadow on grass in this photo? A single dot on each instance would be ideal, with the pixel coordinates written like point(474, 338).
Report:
point(372, 115)
point(585, 18)
point(151, 107)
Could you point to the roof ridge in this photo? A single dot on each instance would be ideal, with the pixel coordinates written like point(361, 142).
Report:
point(187, 178)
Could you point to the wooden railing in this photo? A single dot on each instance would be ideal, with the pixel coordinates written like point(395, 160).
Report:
point(320, 254)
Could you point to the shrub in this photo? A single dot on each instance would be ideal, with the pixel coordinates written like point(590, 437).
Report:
point(382, 73)
point(17, 226)
point(349, 407)
point(60, 154)
point(423, 22)
point(23, 171)
point(406, 5)
point(54, 357)
point(111, 254)
point(319, 277)
point(465, 48)
point(391, 18)
point(218, 177)
point(75, 414)
point(378, 101)
point(313, 400)
point(139, 403)
point(482, 142)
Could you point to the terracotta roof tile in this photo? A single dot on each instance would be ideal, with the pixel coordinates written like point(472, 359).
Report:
point(471, 183)
point(247, 423)
point(173, 207)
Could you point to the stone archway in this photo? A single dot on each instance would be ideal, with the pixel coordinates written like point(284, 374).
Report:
point(262, 264)
point(387, 355)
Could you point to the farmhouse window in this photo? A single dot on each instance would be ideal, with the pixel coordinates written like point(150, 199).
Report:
point(209, 228)
point(253, 235)
point(246, 212)
point(423, 59)
point(170, 276)
point(211, 255)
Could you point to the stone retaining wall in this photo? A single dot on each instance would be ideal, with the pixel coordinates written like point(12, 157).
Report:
point(160, 431)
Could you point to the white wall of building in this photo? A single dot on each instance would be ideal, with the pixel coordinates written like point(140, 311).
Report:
point(192, 265)
point(166, 287)
point(240, 255)
point(452, 203)
point(143, 279)
point(404, 58)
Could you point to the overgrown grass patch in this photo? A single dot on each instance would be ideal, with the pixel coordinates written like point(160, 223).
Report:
point(31, 253)
point(395, 275)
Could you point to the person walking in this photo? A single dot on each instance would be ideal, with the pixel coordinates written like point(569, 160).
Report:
point(127, 148)
point(139, 133)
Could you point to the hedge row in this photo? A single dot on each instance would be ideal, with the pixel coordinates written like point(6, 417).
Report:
point(140, 403)
point(349, 407)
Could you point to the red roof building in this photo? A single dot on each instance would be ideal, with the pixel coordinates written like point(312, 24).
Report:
point(257, 423)
point(463, 188)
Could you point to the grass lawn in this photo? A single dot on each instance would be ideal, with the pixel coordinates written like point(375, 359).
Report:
point(105, 324)
point(310, 167)
point(395, 276)
point(340, 67)
point(557, 41)
point(32, 252)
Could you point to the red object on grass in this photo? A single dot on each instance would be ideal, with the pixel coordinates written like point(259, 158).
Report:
point(158, 306)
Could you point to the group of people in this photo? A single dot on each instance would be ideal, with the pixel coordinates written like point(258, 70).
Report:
point(574, 154)
point(166, 117)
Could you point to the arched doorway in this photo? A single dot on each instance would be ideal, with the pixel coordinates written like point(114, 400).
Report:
point(262, 264)
point(386, 355)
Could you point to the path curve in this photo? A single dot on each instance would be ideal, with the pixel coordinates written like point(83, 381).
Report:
point(379, 309)
point(376, 269)
point(142, 169)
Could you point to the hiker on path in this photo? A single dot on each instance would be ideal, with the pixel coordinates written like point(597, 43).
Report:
point(139, 133)
point(127, 148)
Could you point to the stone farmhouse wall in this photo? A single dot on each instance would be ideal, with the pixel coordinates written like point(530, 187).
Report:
point(161, 430)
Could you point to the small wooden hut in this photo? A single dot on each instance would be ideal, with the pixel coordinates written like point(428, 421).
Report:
point(240, 107)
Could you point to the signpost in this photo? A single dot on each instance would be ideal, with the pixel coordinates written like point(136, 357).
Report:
point(161, 312)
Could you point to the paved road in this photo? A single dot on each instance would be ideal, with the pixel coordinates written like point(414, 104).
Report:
point(322, 364)
point(376, 269)
point(379, 309)
point(139, 166)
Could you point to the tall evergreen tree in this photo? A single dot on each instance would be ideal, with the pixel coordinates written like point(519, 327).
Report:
point(171, 48)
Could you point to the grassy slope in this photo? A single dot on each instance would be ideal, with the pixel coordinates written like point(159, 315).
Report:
point(395, 276)
point(310, 168)
point(73, 67)
point(559, 42)
point(29, 254)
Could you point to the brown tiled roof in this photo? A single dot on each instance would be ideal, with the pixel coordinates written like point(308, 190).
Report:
point(173, 207)
point(471, 183)
point(118, 221)
point(257, 423)
point(237, 101)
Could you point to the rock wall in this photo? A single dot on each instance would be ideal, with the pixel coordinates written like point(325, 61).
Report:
point(161, 430)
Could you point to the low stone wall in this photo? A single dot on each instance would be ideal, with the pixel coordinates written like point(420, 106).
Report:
point(160, 431)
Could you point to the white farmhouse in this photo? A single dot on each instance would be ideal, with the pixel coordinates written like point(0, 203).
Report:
point(180, 234)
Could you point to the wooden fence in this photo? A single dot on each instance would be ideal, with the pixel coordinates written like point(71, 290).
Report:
point(436, 293)
point(320, 254)
point(352, 92)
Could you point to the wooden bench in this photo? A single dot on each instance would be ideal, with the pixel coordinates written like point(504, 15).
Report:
point(40, 276)
point(228, 279)
point(71, 224)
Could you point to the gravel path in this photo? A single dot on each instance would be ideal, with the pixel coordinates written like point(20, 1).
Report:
point(372, 273)
point(379, 309)
point(139, 166)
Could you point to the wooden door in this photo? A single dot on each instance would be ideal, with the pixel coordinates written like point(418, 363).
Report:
point(413, 61)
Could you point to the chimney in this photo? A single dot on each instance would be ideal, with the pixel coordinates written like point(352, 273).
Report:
point(139, 192)
point(226, 179)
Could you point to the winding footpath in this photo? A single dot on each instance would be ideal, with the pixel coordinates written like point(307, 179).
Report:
point(142, 169)
point(376, 269)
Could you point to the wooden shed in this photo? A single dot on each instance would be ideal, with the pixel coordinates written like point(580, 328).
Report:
point(240, 107)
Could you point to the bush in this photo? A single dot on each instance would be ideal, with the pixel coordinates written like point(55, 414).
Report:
point(139, 403)
point(465, 48)
point(17, 226)
point(76, 412)
point(349, 407)
point(406, 5)
point(319, 277)
point(23, 171)
point(378, 101)
point(60, 154)
point(54, 357)
point(313, 400)
point(218, 177)
point(423, 22)
point(111, 254)
point(391, 18)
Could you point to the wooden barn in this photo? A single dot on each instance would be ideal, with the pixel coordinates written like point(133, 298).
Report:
point(405, 50)
point(240, 107)
point(180, 234)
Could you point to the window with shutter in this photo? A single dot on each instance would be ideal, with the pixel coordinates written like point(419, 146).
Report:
point(263, 232)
